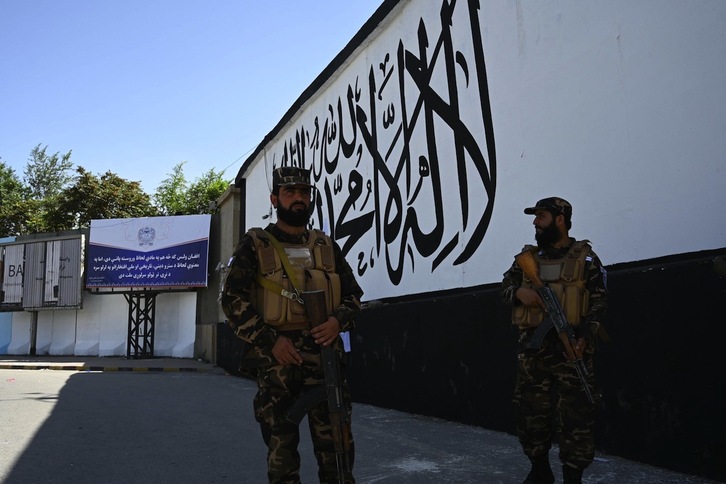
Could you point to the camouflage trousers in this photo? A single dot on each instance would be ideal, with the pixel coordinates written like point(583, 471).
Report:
point(278, 388)
point(549, 401)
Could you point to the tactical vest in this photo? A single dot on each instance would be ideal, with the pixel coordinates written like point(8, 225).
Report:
point(567, 279)
point(314, 266)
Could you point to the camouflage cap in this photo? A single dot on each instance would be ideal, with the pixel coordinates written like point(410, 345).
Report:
point(290, 175)
point(555, 205)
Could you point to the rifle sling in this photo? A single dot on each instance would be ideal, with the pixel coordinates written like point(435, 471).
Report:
point(289, 271)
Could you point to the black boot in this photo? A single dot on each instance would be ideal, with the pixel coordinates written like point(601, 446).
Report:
point(541, 472)
point(571, 475)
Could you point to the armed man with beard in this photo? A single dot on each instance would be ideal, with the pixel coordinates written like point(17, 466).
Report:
point(262, 304)
point(549, 394)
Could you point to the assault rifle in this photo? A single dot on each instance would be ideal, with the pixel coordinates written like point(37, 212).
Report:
point(555, 318)
point(332, 391)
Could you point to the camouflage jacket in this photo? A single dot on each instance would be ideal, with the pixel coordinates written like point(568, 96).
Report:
point(596, 285)
point(245, 321)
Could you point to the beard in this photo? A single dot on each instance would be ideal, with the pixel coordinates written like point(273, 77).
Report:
point(293, 218)
point(548, 236)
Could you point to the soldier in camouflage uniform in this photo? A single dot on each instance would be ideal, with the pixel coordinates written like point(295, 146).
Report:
point(285, 350)
point(549, 397)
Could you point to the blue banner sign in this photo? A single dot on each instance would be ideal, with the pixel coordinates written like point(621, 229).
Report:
point(153, 251)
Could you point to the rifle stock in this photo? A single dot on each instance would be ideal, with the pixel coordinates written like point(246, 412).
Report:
point(525, 260)
point(555, 318)
point(332, 391)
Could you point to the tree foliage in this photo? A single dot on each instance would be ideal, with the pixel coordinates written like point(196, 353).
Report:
point(12, 195)
point(170, 194)
point(50, 198)
point(47, 175)
point(99, 197)
point(175, 196)
point(205, 191)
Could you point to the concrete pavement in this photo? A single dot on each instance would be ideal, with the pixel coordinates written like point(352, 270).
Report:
point(391, 446)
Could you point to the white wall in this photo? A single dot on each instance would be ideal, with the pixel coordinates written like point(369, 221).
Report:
point(101, 328)
point(627, 99)
point(616, 106)
point(20, 340)
point(111, 315)
point(6, 331)
point(6, 319)
point(175, 324)
point(61, 339)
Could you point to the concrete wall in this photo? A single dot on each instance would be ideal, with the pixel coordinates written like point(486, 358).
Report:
point(227, 348)
point(101, 327)
point(6, 331)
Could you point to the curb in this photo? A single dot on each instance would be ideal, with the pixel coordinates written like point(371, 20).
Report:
point(101, 368)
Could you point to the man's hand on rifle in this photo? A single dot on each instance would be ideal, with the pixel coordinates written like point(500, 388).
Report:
point(580, 347)
point(530, 297)
point(285, 352)
point(575, 349)
point(326, 333)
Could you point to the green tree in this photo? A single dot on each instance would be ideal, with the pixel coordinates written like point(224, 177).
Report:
point(175, 196)
point(46, 175)
point(92, 197)
point(206, 190)
point(170, 194)
point(12, 195)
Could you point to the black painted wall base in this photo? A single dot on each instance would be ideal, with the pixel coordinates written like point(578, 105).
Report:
point(451, 356)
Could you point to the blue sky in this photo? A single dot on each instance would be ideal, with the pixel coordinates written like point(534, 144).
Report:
point(137, 86)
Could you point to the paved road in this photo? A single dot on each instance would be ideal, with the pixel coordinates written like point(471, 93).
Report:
point(194, 424)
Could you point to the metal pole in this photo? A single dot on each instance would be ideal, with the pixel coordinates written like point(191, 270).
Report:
point(33, 332)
